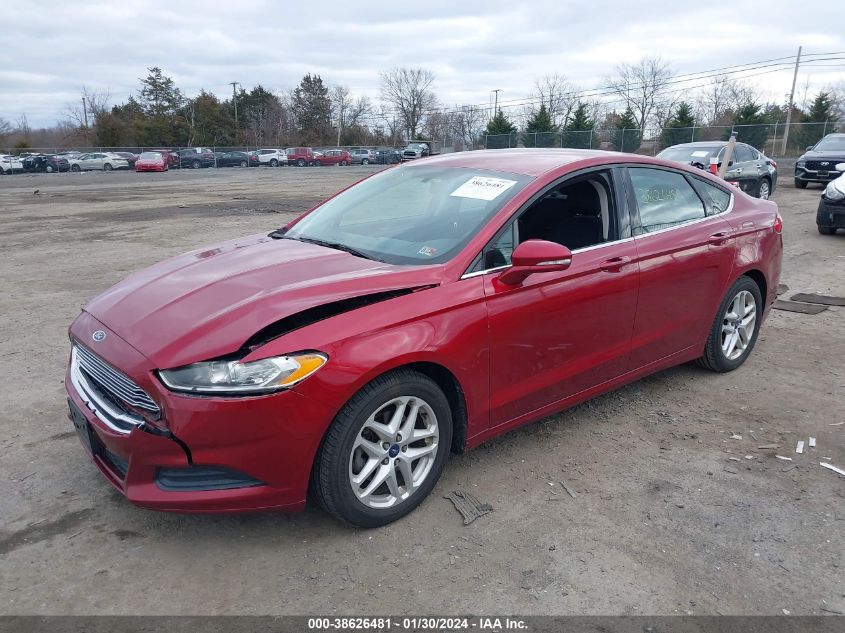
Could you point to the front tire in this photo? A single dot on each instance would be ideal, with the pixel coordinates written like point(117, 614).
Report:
point(75, 168)
point(107, 167)
point(196, 164)
point(800, 184)
point(274, 162)
point(243, 163)
point(365, 161)
point(735, 328)
point(385, 450)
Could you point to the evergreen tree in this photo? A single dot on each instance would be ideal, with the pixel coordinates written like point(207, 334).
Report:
point(578, 132)
point(161, 101)
point(312, 111)
point(751, 125)
point(817, 121)
point(499, 131)
point(540, 131)
point(210, 122)
point(627, 137)
point(679, 129)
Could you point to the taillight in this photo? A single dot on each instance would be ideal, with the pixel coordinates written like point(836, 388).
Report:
point(778, 225)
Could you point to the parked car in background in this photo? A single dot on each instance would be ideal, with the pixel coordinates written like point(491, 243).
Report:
point(152, 161)
point(831, 212)
point(819, 162)
point(171, 156)
point(349, 352)
point(232, 159)
point(45, 162)
point(99, 161)
point(130, 158)
point(752, 171)
point(416, 149)
point(70, 154)
point(332, 157)
point(10, 164)
point(362, 156)
point(272, 157)
point(300, 156)
point(196, 157)
point(388, 156)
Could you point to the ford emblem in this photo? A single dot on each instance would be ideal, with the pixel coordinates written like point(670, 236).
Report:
point(98, 336)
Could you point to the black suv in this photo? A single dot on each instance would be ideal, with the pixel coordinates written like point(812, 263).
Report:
point(196, 157)
point(818, 164)
point(46, 162)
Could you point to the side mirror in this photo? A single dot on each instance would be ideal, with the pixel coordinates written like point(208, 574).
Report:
point(809, 148)
point(536, 256)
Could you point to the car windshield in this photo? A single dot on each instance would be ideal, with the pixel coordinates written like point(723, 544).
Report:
point(411, 215)
point(831, 144)
point(150, 156)
point(689, 154)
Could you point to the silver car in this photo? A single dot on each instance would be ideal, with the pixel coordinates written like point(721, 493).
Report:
point(362, 156)
point(104, 161)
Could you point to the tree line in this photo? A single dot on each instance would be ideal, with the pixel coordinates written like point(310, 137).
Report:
point(640, 100)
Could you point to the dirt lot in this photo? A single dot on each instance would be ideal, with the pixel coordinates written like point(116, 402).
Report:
point(659, 524)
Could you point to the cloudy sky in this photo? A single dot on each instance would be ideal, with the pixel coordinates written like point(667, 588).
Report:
point(52, 48)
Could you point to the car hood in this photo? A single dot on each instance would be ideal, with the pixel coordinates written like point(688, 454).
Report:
point(207, 303)
point(832, 156)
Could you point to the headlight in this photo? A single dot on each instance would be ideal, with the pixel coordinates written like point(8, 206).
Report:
point(800, 163)
point(235, 377)
point(832, 192)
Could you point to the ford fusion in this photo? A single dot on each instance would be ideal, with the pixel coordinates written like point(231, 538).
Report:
point(422, 311)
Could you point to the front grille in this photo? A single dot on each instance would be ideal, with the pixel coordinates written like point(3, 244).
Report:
point(113, 383)
point(196, 478)
point(816, 165)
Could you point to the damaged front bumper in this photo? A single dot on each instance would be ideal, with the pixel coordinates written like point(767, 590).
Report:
point(194, 454)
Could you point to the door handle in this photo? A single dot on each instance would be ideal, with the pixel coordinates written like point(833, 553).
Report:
point(615, 264)
point(717, 239)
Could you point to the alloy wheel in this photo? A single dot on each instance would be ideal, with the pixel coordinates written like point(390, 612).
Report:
point(394, 452)
point(738, 325)
point(765, 191)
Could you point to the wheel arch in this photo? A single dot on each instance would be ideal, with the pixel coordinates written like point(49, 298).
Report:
point(758, 278)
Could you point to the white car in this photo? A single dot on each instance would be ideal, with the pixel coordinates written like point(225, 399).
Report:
point(105, 161)
point(10, 164)
point(272, 157)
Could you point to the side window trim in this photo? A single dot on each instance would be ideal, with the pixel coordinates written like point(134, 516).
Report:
point(621, 202)
point(636, 221)
point(698, 183)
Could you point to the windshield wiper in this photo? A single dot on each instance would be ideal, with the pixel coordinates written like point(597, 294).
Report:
point(335, 245)
point(278, 233)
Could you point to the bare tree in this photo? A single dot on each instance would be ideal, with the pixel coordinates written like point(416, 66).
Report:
point(83, 114)
point(644, 88)
point(721, 96)
point(347, 111)
point(468, 123)
point(558, 94)
point(5, 129)
point(409, 91)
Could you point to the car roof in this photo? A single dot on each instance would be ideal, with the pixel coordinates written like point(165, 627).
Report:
point(705, 144)
point(529, 162)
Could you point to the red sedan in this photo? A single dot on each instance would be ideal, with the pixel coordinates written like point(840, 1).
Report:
point(422, 311)
point(151, 161)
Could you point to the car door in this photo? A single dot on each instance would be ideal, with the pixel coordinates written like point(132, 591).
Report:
point(560, 333)
point(685, 254)
point(744, 169)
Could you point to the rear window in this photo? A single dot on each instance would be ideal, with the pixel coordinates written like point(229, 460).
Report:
point(688, 155)
point(150, 155)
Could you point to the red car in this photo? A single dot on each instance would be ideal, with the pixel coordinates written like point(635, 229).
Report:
point(332, 157)
point(300, 156)
point(422, 311)
point(151, 161)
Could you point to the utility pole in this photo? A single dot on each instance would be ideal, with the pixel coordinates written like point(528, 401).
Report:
point(234, 98)
point(789, 107)
point(496, 100)
point(85, 112)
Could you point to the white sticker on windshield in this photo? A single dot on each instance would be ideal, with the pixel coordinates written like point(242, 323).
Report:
point(699, 154)
point(483, 188)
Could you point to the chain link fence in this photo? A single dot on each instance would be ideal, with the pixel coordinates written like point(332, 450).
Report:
point(767, 137)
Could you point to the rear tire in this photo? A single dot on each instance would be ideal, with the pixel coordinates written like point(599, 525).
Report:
point(730, 343)
point(826, 230)
point(346, 450)
point(800, 184)
point(300, 163)
point(243, 163)
point(365, 161)
point(764, 189)
point(274, 162)
point(49, 169)
point(196, 164)
point(76, 168)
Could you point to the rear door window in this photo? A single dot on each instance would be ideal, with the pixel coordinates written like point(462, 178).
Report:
point(664, 199)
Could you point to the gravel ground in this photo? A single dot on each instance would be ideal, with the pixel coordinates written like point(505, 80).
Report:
point(664, 521)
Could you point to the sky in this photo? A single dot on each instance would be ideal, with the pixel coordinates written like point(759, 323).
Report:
point(54, 48)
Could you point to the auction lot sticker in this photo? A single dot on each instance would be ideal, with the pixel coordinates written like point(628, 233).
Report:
point(483, 188)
